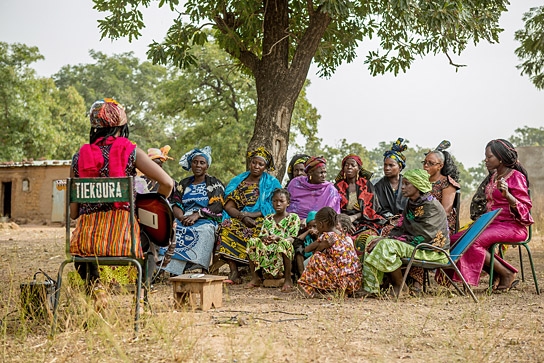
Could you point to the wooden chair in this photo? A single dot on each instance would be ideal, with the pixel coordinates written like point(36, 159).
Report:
point(460, 247)
point(82, 190)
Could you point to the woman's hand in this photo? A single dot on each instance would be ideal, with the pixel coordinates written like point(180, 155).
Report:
point(190, 219)
point(370, 246)
point(249, 222)
point(502, 186)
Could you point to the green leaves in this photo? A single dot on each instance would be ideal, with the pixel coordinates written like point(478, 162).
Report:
point(531, 49)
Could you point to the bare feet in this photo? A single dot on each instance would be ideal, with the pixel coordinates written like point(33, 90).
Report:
point(287, 286)
point(255, 282)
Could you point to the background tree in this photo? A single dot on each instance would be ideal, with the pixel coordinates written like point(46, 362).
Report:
point(531, 49)
point(276, 41)
point(528, 136)
point(128, 80)
point(37, 120)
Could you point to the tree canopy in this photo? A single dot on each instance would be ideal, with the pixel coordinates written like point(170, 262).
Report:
point(531, 49)
point(276, 41)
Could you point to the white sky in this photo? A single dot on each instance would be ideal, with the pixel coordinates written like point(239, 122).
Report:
point(487, 99)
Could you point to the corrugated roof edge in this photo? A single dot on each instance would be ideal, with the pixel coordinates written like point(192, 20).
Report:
point(17, 164)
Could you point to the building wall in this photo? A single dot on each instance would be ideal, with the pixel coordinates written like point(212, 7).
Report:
point(532, 158)
point(34, 205)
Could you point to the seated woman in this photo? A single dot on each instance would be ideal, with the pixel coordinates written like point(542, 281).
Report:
point(109, 154)
point(272, 252)
point(248, 199)
point(313, 192)
point(358, 200)
point(197, 203)
point(508, 188)
point(296, 167)
point(444, 176)
point(334, 266)
point(387, 189)
point(423, 221)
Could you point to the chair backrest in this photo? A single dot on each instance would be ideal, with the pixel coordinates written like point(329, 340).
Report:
point(457, 208)
point(100, 190)
point(472, 233)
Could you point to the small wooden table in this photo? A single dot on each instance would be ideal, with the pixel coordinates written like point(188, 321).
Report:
point(210, 288)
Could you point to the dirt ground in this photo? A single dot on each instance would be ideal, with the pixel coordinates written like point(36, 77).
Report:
point(265, 325)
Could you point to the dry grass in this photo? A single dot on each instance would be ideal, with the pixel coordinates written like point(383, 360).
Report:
point(264, 325)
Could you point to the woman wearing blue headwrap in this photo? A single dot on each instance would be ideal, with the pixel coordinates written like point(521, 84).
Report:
point(387, 189)
point(248, 198)
point(197, 203)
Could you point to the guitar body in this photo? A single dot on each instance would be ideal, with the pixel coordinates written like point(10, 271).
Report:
point(155, 217)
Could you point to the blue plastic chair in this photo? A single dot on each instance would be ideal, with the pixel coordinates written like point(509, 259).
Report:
point(460, 247)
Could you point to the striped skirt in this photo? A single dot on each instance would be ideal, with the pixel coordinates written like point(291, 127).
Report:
point(105, 234)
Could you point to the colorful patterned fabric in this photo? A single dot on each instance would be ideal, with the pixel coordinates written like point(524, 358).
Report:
point(423, 221)
point(195, 243)
point(510, 225)
point(187, 159)
point(437, 189)
point(420, 179)
point(233, 233)
point(104, 234)
point(363, 173)
point(366, 203)
point(297, 159)
point(395, 153)
point(386, 257)
point(268, 257)
point(336, 268)
point(314, 162)
point(306, 196)
point(107, 113)
point(265, 154)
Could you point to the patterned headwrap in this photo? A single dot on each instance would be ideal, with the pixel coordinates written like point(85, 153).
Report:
point(297, 159)
point(444, 144)
point(395, 152)
point(311, 216)
point(161, 153)
point(187, 159)
point(107, 113)
point(314, 162)
point(264, 154)
point(419, 179)
point(363, 173)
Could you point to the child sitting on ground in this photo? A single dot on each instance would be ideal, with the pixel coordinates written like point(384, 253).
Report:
point(334, 265)
point(272, 252)
point(303, 240)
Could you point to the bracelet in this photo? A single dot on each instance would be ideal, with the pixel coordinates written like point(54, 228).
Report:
point(200, 213)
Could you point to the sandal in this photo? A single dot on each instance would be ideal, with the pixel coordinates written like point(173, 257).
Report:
point(503, 289)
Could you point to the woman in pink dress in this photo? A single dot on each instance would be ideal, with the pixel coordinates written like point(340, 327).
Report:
point(508, 189)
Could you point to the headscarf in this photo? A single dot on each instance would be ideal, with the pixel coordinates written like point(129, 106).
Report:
point(297, 159)
point(420, 179)
point(311, 216)
point(314, 162)
point(363, 173)
point(187, 159)
point(444, 144)
point(395, 152)
point(107, 113)
point(161, 153)
point(264, 154)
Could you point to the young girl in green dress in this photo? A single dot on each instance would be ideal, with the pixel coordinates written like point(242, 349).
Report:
point(272, 251)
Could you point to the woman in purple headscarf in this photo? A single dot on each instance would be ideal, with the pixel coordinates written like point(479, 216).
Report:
point(312, 191)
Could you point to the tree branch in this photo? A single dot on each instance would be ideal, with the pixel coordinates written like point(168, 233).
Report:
point(454, 64)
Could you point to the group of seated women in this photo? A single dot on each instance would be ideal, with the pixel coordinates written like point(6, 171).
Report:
point(342, 236)
point(298, 231)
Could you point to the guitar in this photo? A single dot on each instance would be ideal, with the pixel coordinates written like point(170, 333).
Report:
point(155, 217)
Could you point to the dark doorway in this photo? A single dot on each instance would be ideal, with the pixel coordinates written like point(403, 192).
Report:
point(6, 203)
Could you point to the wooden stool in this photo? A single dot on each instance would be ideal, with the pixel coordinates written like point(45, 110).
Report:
point(209, 287)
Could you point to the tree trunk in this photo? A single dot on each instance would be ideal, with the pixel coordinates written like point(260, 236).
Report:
point(278, 82)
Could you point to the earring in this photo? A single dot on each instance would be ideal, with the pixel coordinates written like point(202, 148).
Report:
point(310, 177)
point(344, 175)
point(500, 161)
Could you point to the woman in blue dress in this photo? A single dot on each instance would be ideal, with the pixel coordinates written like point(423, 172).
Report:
point(197, 203)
